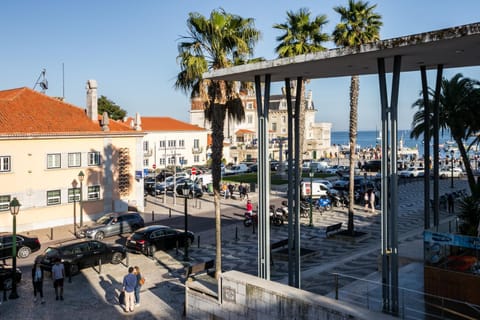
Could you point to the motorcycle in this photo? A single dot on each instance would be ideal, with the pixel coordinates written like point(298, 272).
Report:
point(250, 219)
point(275, 218)
point(323, 204)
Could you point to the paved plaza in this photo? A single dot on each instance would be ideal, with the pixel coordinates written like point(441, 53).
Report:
point(93, 294)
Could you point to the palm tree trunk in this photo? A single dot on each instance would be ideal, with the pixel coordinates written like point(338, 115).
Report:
point(354, 89)
point(468, 169)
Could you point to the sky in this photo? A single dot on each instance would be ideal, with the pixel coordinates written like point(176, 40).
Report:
point(130, 48)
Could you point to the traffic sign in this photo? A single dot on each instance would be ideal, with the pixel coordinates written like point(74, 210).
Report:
point(194, 171)
point(154, 166)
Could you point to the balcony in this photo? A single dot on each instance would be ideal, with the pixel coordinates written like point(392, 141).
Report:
point(147, 153)
point(197, 150)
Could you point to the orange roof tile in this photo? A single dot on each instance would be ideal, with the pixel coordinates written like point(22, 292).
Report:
point(244, 131)
point(167, 124)
point(24, 110)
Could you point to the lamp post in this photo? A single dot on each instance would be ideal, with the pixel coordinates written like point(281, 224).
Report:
point(14, 209)
point(74, 185)
point(451, 177)
point(81, 176)
point(311, 200)
point(185, 192)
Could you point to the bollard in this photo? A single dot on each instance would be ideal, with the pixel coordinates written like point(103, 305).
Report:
point(236, 233)
point(176, 247)
point(199, 204)
point(127, 259)
point(153, 216)
point(336, 286)
point(169, 212)
point(253, 226)
point(99, 266)
point(51, 233)
point(198, 242)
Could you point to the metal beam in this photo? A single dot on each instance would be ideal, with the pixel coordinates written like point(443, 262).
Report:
point(436, 142)
point(426, 148)
point(263, 177)
point(297, 179)
point(290, 193)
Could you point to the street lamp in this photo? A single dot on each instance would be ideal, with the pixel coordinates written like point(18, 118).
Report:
point(14, 209)
point(451, 177)
point(311, 200)
point(74, 185)
point(81, 176)
point(185, 193)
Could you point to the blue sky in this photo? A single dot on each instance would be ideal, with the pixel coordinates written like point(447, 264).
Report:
point(130, 48)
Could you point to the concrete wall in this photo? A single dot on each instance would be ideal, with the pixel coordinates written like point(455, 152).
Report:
point(244, 296)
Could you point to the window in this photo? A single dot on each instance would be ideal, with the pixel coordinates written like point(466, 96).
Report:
point(274, 127)
point(249, 105)
point(162, 161)
point(94, 193)
point(161, 144)
point(182, 161)
point(4, 203)
point(181, 143)
point(145, 162)
point(74, 159)
point(53, 160)
point(284, 119)
point(4, 163)
point(172, 143)
point(94, 158)
point(249, 119)
point(53, 197)
point(196, 159)
point(73, 193)
point(196, 143)
point(171, 160)
point(145, 146)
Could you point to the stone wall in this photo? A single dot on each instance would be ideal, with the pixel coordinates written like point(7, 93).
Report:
point(245, 296)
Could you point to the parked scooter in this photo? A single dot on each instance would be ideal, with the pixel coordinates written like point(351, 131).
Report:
point(323, 204)
point(250, 219)
point(275, 218)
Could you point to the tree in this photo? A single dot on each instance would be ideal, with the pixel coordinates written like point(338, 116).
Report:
point(358, 25)
point(301, 36)
point(220, 41)
point(458, 112)
point(114, 111)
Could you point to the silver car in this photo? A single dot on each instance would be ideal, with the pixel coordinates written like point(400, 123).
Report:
point(112, 224)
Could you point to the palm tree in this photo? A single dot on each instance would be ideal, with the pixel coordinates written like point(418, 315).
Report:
point(219, 41)
point(301, 36)
point(358, 25)
point(458, 112)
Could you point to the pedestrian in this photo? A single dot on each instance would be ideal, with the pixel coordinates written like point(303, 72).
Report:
point(37, 280)
point(58, 274)
point(372, 200)
point(129, 284)
point(140, 283)
point(249, 207)
point(451, 203)
point(366, 198)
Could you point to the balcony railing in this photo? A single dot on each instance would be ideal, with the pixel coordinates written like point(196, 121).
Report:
point(197, 150)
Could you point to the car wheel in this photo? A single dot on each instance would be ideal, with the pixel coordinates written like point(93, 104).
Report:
point(23, 252)
point(99, 235)
point(7, 284)
point(117, 258)
point(151, 250)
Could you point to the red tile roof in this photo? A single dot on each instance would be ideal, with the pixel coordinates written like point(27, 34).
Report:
point(244, 131)
point(24, 110)
point(167, 124)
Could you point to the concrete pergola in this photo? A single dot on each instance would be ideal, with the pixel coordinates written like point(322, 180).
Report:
point(447, 48)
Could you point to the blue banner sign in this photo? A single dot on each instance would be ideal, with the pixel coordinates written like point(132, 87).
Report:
point(450, 239)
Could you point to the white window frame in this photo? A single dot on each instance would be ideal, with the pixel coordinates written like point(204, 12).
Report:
point(94, 158)
point(249, 119)
point(73, 192)
point(74, 159)
point(249, 105)
point(5, 163)
point(162, 161)
point(161, 144)
point(181, 143)
point(54, 197)
point(172, 143)
point(196, 143)
point(93, 192)
point(145, 162)
point(145, 146)
point(54, 160)
point(196, 158)
point(5, 202)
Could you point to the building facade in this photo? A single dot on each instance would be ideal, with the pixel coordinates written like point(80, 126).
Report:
point(241, 137)
point(44, 145)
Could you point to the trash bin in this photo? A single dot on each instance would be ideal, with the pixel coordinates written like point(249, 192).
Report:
point(210, 187)
point(252, 187)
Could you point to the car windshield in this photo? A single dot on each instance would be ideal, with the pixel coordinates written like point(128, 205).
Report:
point(52, 252)
point(104, 219)
point(138, 236)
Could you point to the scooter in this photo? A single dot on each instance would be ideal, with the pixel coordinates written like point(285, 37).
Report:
point(250, 219)
point(275, 218)
point(323, 204)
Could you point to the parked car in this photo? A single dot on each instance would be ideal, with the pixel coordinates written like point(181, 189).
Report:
point(317, 167)
point(446, 172)
point(318, 189)
point(6, 277)
point(157, 237)
point(412, 172)
point(173, 183)
point(359, 183)
point(112, 224)
point(79, 254)
point(326, 182)
point(25, 245)
point(194, 189)
point(236, 169)
point(332, 170)
point(372, 166)
point(149, 185)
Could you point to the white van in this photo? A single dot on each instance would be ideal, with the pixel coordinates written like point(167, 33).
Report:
point(319, 166)
point(318, 190)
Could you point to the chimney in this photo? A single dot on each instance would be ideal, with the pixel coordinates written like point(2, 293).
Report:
point(92, 100)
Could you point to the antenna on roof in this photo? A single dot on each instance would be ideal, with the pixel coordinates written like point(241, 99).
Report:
point(42, 81)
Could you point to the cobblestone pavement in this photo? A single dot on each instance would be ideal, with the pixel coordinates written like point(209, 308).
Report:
point(94, 295)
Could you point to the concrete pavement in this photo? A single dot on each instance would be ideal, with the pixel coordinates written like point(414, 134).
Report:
point(93, 295)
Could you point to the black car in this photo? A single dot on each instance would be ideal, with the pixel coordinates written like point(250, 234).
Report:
point(79, 254)
point(112, 224)
point(194, 189)
point(372, 166)
point(6, 277)
point(25, 245)
point(156, 237)
point(149, 185)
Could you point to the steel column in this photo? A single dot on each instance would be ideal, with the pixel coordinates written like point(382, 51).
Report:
point(436, 141)
point(290, 193)
point(426, 148)
point(297, 179)
point(263, 177)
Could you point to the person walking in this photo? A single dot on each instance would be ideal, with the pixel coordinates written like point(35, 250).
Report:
point(140, 283)
point(58, 274)
point(372, 200)
point(37, 280)
point(451, 203)
point(129, 284)
point(366, 198)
